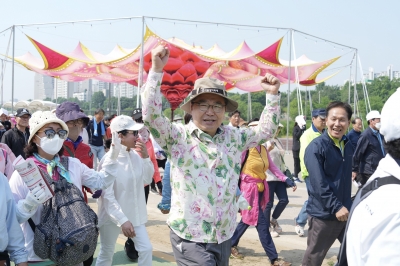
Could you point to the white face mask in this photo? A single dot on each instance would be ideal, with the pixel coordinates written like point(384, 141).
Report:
point(378, 125)
point(51, 146)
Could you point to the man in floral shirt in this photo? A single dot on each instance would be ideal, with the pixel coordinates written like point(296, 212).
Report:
point(205, 162)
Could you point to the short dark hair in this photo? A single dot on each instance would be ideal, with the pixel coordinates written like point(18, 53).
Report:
point(254, 120)
point(187, 118)
point(107, 143)
point(393, 148)
point(340, 104)
point(98, 111)
point(355, 119)
point(32, 148)
point(234, 112)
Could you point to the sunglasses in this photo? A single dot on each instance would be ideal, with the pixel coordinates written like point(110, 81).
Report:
point(50, 133)
point(134, 132)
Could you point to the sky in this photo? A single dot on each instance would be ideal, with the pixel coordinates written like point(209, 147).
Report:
point(369, 26)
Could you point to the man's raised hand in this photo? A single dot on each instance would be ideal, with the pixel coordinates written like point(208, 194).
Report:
point(270, 84)
point(159, 58)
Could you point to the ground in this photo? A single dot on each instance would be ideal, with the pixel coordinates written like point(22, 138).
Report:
point(289, 245)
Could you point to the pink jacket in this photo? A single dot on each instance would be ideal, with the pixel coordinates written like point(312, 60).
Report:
point(249, 190)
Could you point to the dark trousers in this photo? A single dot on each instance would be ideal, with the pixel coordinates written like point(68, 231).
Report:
point(278, 188)
point(5, 259)
point(146, 192)
point(296, 160)
point(321, 235)
point(189, 253)
point(362, 178)
point(263, 233)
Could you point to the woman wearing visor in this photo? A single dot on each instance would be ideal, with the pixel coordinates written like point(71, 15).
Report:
point(47, 135)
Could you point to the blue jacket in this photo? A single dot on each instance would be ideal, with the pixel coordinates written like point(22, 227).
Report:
point(329, 175)
point(368, 152)
point(11, 236)
point(353, 136)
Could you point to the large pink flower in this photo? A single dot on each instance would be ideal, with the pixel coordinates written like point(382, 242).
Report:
point(194, 230)
point(178, 151)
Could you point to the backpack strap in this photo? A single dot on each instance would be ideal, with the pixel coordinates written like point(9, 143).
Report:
point(32, 224)
point(69, 151)
point(360, 196)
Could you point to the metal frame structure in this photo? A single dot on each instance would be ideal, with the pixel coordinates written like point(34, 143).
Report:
point(143, 18)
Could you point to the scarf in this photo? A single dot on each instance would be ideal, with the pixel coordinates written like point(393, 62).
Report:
point(95, 127)
point(50, 165)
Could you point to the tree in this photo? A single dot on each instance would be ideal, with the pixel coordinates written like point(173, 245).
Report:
point(98, 99)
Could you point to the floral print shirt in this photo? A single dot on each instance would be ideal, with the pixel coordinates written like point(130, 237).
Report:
point(204, 169)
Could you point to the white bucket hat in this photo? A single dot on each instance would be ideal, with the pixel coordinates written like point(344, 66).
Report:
point(40, 118)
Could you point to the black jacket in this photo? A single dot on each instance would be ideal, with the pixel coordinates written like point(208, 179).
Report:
point(330, 177)
point(16, 140)
point(368, 153)
point(297, 132)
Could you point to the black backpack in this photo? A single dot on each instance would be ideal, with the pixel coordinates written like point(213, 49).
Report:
point(68, 232)
point(361, 195)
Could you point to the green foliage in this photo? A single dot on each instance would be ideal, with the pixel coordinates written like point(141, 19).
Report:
point(98, 99)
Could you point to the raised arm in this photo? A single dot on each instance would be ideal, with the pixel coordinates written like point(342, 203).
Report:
point(269, 118)
point(160, 127)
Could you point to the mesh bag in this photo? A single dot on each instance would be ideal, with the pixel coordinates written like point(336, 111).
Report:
point(68, 232)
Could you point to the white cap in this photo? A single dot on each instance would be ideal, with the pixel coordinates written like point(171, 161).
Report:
point(300, 120)
point(390, 118)
point(373, 114)
point(3, 111)
point(124, 122)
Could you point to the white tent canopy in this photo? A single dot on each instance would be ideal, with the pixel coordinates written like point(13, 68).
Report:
point(35, 105)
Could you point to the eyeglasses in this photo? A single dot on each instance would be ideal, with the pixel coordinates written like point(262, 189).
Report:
point(217, 108)
point(50, 133)
point(74, 122)
point(134, 132)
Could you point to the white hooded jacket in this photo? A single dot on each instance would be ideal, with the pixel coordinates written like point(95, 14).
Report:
point(373, 236)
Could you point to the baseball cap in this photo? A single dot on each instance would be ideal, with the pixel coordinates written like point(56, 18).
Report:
point(137, 113)
point(319, 112)
point(124, 122)
point(22, 111)
point(373, 114)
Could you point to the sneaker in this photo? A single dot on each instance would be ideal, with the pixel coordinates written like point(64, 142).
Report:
point(130, 250)
point(275, 225)
point(154, 191)
point(299, 230)
point(297, 180)
point(273, 232)
point(235, 253)
point(281, 263)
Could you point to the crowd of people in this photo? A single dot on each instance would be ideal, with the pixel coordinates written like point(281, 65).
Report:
point(208, 167)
